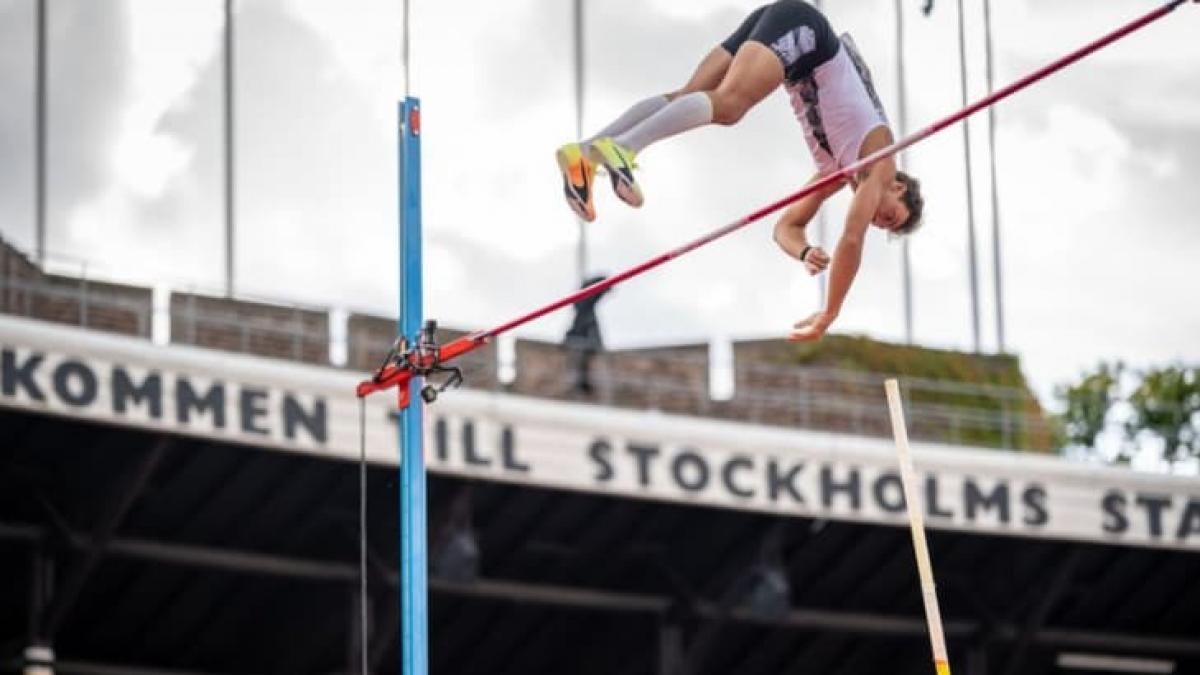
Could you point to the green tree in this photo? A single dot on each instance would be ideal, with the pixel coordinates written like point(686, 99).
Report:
point(1166, 407)
point(1087, 404)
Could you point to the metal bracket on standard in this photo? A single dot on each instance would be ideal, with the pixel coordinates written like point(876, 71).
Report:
point(404, 361)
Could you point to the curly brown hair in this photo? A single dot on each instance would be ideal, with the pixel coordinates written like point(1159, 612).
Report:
point(913, 200)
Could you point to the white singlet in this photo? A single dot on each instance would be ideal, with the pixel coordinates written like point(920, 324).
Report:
point(837, 106)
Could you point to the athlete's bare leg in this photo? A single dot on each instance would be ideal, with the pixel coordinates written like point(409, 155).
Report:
point(708, 74)
point(754, 73)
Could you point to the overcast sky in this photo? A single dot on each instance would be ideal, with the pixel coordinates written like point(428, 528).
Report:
point(1097, 166)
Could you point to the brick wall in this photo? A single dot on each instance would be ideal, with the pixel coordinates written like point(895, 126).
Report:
point(15, 265)
point(769, 387)
point(16, 273)
point(767, 393)
point(258, 328)
point(368, 339)
point(671, 379)
point(115, 308)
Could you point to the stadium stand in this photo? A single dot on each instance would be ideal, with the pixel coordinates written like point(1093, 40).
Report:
point(149, 549)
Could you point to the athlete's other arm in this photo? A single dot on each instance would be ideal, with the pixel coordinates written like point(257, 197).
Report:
point(790, 230)
point(848, 254)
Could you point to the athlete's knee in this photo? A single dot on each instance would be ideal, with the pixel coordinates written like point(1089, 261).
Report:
point(728, 109)
point(729, 116)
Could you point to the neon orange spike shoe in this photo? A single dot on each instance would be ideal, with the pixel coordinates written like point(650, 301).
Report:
point(578, 173)
point(620, 162)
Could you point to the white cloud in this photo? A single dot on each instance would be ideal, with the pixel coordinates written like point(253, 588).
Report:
point(693, 10)
point(143, 163)
point(364, 43)
point(171, 42)
point(1074, 152)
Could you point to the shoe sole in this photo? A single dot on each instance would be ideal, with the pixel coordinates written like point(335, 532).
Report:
point(624, 185)
point(578, 204)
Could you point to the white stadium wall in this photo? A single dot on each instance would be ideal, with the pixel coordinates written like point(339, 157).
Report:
point(285, 406)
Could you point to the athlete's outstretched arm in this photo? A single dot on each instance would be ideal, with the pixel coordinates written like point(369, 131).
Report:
point(848, 254)
point(790, 229)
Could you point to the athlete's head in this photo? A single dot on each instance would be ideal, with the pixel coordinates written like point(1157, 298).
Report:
point(900, 209)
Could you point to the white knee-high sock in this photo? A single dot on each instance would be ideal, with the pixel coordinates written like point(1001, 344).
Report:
point(683, 114)
point(636, 113)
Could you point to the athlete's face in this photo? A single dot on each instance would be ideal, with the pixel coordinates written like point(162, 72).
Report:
point(892, 212)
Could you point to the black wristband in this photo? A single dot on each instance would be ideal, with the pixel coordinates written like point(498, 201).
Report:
point(805, 253)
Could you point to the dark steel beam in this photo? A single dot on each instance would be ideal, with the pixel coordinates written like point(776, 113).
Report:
point(386, 635)
point(53, 515)
point(671, 659)
point(855, 622)
point(899, 565)
point(1100, 640)
point(203, 557)
point(123, 499)
point(358, 632)
point(977, 660)
point(235, 561)
point(1049, 599)
point(630, 602)
point(68, 667)
point(41, 583)
point(562, 596)
point(19, 532)
point(768, 550)
point(92, 668)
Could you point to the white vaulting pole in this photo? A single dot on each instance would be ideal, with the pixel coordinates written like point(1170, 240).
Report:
point(916, 521)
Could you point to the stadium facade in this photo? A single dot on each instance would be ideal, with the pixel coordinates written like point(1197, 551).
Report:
point(174, 506)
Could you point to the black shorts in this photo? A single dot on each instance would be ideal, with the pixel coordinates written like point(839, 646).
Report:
point(797, 32)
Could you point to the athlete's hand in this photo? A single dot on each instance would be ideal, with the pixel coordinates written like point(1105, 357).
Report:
point(816, 260)
point(811, 329)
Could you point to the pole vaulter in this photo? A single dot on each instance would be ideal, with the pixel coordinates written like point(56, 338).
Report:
point(423, 357)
